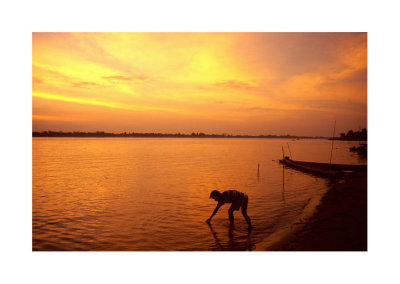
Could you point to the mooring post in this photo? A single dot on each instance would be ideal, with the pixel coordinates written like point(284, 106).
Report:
point(333, 138)
point(283, 169)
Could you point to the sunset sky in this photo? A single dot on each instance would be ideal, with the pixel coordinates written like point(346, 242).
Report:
point(236, 83)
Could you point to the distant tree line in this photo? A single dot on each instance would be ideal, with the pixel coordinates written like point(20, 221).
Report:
point(178, 135)
point(354, 135)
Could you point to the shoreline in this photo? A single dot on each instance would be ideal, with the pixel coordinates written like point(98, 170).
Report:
point(338, 223)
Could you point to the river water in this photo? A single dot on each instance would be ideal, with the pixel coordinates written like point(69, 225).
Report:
point(152, 194)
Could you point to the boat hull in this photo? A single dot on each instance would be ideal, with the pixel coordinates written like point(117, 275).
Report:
point(322, 169)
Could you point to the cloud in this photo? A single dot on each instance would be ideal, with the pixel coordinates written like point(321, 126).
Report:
point(125, 78)
point(350, 83)
point(118, 77)
point(233, 84)
point(84, 84)
point(141, 77)
point(260, 109)
point(359, 76)
point(337, 105)
point(228, 84)
point(36, 80)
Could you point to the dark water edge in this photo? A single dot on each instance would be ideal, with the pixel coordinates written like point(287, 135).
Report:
point(339, 222)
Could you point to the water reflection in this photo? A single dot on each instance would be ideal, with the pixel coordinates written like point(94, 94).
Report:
point(235, 242)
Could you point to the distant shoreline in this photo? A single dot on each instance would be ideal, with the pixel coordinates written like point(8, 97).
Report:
point(100, 134)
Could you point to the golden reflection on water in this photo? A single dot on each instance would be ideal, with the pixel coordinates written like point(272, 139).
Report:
point(153, 193)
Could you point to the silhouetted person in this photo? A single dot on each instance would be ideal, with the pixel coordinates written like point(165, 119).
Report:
point(238, 200)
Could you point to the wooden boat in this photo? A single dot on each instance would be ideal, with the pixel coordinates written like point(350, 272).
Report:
point(322, 169)
point(360, 150)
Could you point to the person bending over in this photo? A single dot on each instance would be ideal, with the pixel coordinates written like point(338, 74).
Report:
point(238, 200)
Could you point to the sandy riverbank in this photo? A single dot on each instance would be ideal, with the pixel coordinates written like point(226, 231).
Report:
point(339, 222)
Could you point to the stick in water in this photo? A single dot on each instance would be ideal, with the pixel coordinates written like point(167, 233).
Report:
point(333, 135)
point(283, 170)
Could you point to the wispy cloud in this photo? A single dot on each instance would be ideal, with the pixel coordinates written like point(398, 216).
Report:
point(233, 84)
point(84, 84)
point(36, 80)
point(125, 78)
point(118, 77)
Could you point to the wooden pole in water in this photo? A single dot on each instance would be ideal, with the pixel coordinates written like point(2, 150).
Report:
point(283, 170)
point(333, 135)
point(258, 170)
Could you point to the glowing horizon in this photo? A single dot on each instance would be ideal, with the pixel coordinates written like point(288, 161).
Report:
point(236, 83)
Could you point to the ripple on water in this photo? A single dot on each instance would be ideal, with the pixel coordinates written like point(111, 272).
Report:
point(153, 194)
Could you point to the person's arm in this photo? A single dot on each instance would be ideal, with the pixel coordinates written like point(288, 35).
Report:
point(215, 212)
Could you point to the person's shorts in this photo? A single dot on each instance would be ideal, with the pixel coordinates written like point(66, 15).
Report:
point(239, 202)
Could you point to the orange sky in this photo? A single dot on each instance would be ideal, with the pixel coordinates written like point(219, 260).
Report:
point(236, 83)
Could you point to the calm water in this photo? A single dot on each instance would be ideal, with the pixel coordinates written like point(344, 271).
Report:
point(153, 193)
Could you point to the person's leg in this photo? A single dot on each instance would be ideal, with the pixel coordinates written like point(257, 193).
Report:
point(230, 212)
point(235, 206)
point(244, 211)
